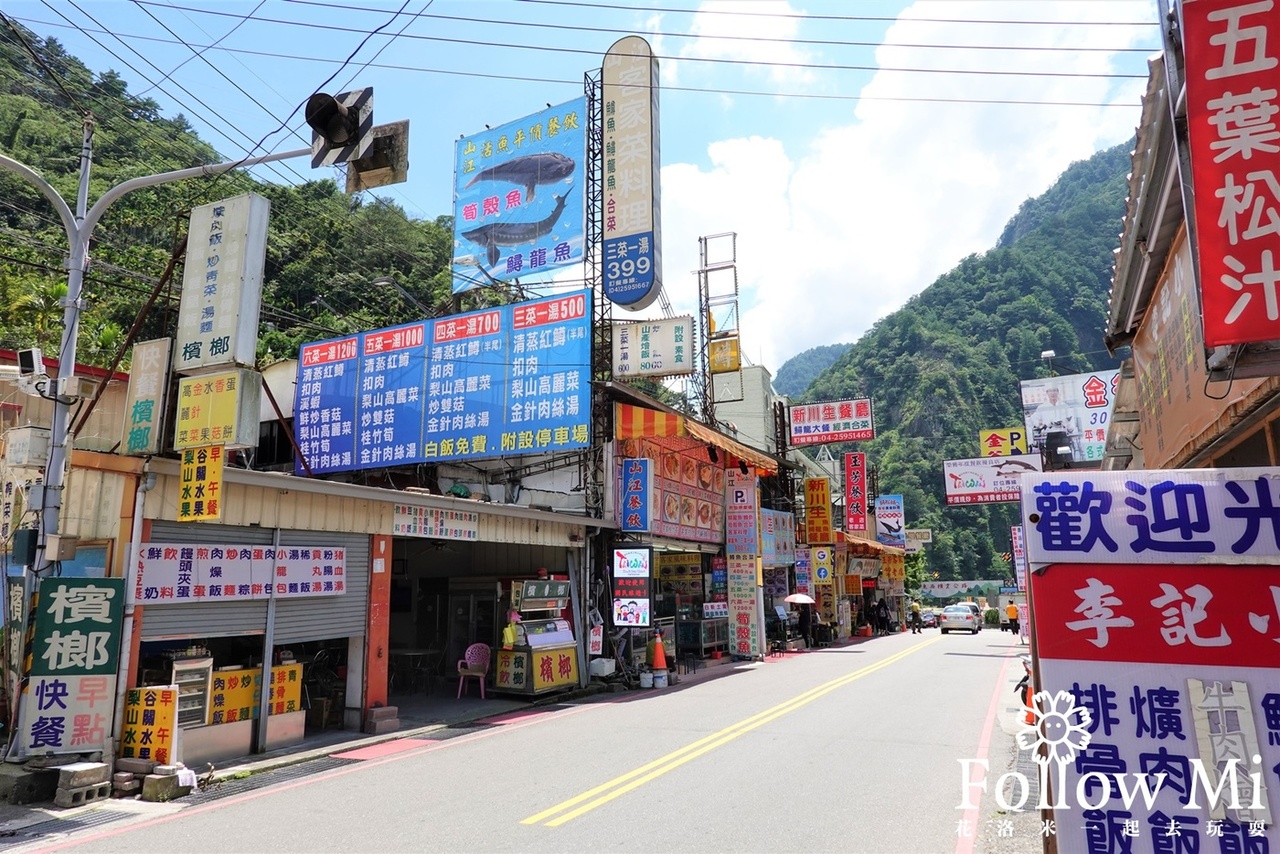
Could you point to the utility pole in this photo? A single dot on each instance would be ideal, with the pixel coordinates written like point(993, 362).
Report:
point(79, 226)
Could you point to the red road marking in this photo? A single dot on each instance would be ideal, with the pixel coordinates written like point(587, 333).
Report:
point(964, 843)
point(385, 748)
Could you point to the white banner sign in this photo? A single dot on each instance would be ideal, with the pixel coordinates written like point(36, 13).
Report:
point(986, 480)
point(169, 573)
point(653, 348)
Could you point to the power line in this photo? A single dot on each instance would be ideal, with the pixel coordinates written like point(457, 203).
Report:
point(53, 75)
point(199, 54)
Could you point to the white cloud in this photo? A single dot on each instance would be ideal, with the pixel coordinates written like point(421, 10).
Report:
point(840, 229)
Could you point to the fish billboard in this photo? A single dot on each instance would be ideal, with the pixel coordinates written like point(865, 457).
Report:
point(518, 197)
point(987, 480)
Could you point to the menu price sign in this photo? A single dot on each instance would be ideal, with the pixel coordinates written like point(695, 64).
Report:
point(744, 621)
point(149, 716)
point(171, 573)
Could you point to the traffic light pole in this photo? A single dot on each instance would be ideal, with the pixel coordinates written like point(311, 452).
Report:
point(79, 227)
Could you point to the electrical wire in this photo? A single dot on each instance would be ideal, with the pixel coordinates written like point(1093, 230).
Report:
point(200, 54)
point(53, 76)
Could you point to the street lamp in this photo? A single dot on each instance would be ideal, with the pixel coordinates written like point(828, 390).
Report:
point(410, 298)
point(1049, 356)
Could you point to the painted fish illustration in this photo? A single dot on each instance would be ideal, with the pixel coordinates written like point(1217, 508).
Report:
point(497, 234)
point(891, 528)
point(529, 171)
point(1011, 466)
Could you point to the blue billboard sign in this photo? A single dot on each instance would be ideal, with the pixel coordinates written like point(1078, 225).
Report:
point(519, 205)
point(637, 494)
point(497, 382)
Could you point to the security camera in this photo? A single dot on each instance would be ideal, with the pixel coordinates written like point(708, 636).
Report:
point(30, 362)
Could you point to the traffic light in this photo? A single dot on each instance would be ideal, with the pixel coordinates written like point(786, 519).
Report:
point(340, 126)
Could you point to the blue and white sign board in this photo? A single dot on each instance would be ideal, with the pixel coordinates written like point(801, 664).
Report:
point(491, 383)
point(891, 521)
point(638, 496)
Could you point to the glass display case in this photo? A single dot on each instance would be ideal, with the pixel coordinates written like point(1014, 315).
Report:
point(194, 677)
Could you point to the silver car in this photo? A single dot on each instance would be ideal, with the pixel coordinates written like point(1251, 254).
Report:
point(959, 618)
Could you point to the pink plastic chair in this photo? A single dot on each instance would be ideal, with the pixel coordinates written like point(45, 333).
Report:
point(474, 662)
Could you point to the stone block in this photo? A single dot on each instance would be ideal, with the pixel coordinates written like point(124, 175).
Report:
point(19, 785)
point(381, 727)
point(81, 795)
point(136, 766)
point(123, 777)
point(383, 713)
point(132, 787)
point(165, 770)
point(163, 787)
point(77, 775)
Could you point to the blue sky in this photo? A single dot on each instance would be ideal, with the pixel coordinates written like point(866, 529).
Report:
point(851, 156)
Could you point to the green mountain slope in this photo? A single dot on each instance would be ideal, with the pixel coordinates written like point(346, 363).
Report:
point(948, 363)
point(801, 369)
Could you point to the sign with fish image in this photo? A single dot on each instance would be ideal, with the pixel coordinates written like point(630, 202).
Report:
point(987, 480)
point(519, 197)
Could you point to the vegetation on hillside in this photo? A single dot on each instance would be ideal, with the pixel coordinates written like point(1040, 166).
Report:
point(800, 370)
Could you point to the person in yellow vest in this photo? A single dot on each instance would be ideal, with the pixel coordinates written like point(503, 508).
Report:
point(917, 624)
point(1011, 611)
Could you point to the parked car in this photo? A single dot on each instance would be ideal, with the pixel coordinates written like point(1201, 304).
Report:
point(977, 612)
point(960, 618)
point(929, 618)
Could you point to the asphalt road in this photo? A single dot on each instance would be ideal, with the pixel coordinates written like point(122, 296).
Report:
point(846, 749)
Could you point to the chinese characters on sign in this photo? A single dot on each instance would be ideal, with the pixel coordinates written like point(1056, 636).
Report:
point(218, 409)
point(686, 496)
point(325, 404)
point(855, 492)
point(200, 484)
point(410, 521)
point(834, 421)
point(70, 698)
point(744, 621)
point(1070, 413)
point(1232, 53)
point(891, 525)
point(777, 538)
point(631, 587)
point(237, 694)
point(169, 573)
point(817, 510)
point(636, 508)
point(1002, 443)
point(986, 480)
point(742, 515)
point(149, 716)
point(654, 348)
point(148, 391)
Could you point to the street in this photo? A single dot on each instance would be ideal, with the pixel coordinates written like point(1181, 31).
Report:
point(852, 748)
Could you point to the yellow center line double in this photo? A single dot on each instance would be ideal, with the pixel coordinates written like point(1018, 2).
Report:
point(618, 786)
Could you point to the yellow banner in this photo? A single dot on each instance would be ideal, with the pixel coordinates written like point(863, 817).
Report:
point(200, 484)
point(893, 567)
point(235, 695)
point(207, 410)
point(817, 510)
point(724, 355)
point(550, 669)
point(149, 715)
point(1002, 443)
point(286, 689)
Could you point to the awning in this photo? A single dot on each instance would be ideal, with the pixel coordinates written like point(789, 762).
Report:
point(859, 547)
point(680, 433)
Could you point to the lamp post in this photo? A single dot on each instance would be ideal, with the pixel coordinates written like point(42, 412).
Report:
point(1049, 356)
point(408, 297)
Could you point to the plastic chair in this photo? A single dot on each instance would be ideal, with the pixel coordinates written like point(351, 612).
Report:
point(474, 662)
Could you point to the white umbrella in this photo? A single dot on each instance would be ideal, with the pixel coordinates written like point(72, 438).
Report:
point(801, 599)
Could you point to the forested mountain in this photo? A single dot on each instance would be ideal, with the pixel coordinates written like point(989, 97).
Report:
point(801, 369)
point(325, 248)
point(948, 363)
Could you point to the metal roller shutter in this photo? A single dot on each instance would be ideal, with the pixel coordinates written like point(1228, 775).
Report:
point(209, 619)
point(325, 617)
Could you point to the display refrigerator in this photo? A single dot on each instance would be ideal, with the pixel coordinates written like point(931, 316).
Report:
point(194, 678)
point(544, 658)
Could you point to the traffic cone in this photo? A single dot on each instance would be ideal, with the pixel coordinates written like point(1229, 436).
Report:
point(1028, 700)
point(659, 656)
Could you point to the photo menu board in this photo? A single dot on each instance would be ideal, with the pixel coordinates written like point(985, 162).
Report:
point(490, 383)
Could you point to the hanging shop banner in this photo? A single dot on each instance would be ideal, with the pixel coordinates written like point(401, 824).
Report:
point(917, 539)
point(1166, 516)
point(679, 566)
point(986, 480)
point(171, 573)
point(961, 589)
point(855, 492)
point(632, 574)
point(150, 715)
point(777, 538)
point(817, 510)
point(237, 694)
point(775, 581)
point(492, 383)
point(408, 520)
point(1017, 540)
point(145, 400)
point(834, 421)
point(893, 567)
point(1070, 412)
point(519, 196)
point(639, 499)
point(687, 493)
point(744, 617)
point(1232, 51)
point(891, 525)
point(742, 514)
point(70, 698)
point(1163, 676)
point(654, 348)
point(804, 573)
point(822, 561)
point(222, 286)
point(218, 409)
point(1007, 442)
point(200, 484)
point(632, 175)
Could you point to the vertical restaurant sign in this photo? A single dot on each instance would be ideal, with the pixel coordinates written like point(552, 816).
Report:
point(1071, 412)
point(145, 400)
point(70, 699)
point(742, 514)
point(489, 383)
point(1018, 541)
point(986, 480)
point(893, 567)
point(822, 559)
point(744, 618)
point(891, 522)
point(654, 348)
point(632, 574)
point(222, 285)
point(632, 175)
point(724, 355)
point(804, 572)
point(833, 421)
point(1232, 52)
point(519, 196)
point(638, 497)
point(855, 491)
point(1165, 516)
point(150, 715)
point(1005, 442)
point(817, 510)
point(1176, 667)
point(777, 538)
point(218, 409)
point(200, 484)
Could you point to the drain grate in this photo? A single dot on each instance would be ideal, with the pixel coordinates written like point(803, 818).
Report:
point(287, 774)
point(61, 826)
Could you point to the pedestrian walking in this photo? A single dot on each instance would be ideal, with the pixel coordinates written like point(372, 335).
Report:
point(1011, 611)
point(806, 626)
point(917, 625)
point(882, 617)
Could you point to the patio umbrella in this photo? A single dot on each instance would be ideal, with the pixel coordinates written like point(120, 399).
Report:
point(801, 599)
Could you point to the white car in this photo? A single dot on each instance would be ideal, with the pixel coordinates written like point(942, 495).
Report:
point(959, 618)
